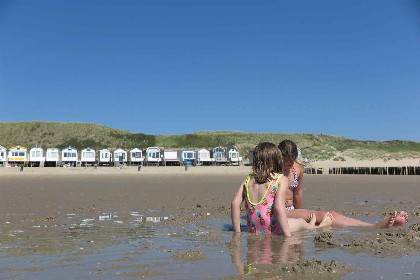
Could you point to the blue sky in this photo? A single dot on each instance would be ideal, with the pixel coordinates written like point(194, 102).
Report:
point(345, 68)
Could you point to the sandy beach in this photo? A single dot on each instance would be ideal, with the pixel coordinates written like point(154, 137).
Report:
point(161, 222)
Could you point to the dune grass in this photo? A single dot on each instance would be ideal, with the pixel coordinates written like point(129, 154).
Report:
point(83, 135)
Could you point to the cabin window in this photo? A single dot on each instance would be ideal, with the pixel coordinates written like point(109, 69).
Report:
point(188, 155)
point(234, 155)
point(153, 154)
point(88, 155)
point(69, 154)
point(54, 154)
point(136, 155)
point(36, 153)
point(104, 155)
point(2, 154)
point(204, 155)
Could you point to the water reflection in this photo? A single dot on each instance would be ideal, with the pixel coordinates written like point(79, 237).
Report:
point(263, 250)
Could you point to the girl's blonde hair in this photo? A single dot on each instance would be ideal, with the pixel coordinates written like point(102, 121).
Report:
point(267, 160)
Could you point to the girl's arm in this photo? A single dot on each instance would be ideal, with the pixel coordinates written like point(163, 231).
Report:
point(235, 209)
point(280, 206)
point(297, 192)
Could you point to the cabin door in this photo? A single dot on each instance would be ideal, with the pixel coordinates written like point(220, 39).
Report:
point(121, 158)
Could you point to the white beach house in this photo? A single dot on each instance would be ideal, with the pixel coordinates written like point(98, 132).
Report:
point(136, 157)
point(203, 157)
point(52, 157)
point(88, 156)
point(105, 157)
point(17, 155)
point(153, 156)
point(3, 156)
point(120, 156)
point(186, 156)
point(233, 156)
point(170, 157)
point(36, 156)
point(219, 155)
point(69, 156)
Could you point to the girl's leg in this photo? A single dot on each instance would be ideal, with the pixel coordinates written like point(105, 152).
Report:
point(298, 225)
point(338, 219)
point(343, 221)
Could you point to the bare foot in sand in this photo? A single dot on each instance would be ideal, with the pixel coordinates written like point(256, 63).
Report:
point(390, 222)
point(400, 219)
point(326, 220)
point(311, 219)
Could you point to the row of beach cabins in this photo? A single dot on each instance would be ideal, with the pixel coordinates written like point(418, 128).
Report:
point(69, 156)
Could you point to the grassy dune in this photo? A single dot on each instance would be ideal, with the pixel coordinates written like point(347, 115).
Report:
point(82, 135)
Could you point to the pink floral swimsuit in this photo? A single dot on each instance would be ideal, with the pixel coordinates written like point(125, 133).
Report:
point(261, 217)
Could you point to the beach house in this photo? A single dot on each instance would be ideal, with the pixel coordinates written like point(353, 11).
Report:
point(69, 156)
point(17, 156)
point(203, 157)
point(120, 156)
point(52, 157)
point(186, 156)
point(170, 157)
point(219, 155)
point(88, 157)
point(152, 156)
point(136, 157)
point(36, 156)
point(3, 156)
point(233, 156)
point(105, 157)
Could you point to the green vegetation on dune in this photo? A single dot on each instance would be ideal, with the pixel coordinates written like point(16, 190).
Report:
point(78, 135)
point(82, 135)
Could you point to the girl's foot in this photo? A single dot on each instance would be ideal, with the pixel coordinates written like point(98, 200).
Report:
point(400, 219)
point(391, 219)
point(311, 219)
point(326, 220)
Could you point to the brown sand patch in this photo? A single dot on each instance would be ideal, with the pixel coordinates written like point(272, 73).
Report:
point(194, 255)
point(145, 274)
point(31, 269)
point(133, 266)
point(312, 269)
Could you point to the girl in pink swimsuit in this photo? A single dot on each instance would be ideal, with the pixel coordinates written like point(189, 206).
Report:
point(264, 194)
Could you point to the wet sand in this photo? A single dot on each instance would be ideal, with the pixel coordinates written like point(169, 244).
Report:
point(48, 214)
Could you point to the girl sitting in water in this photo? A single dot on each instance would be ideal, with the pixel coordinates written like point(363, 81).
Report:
point(292, 168)
point(264, 193)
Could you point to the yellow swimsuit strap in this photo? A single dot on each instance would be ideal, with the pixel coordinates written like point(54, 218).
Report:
point(266, 191)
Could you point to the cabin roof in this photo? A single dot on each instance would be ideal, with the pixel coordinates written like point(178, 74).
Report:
point(18, 147)
point(36, 147)
point(70, 148)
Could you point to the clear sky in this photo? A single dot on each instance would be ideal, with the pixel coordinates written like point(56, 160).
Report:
point(345, 68)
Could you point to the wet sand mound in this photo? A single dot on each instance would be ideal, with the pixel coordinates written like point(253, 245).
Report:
point(394, 242)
